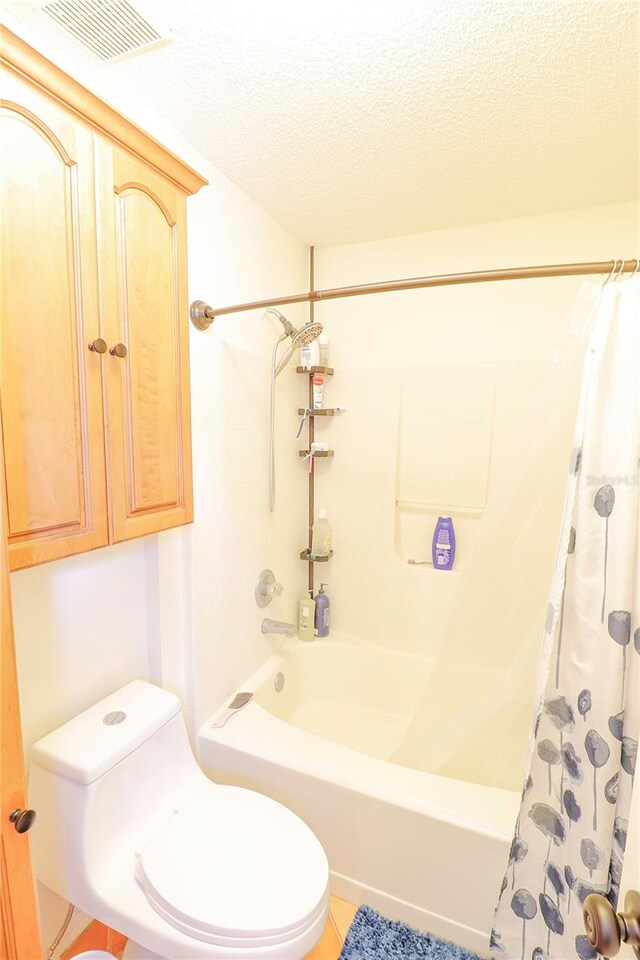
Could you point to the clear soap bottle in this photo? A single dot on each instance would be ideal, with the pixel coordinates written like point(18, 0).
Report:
point(323, 349)
point(321, 538)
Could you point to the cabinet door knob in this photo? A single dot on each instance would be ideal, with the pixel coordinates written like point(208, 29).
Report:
point(98, 346)
point(22, 820)
point(119, 351)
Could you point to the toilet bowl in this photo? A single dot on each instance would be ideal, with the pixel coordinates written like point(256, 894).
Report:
point(131, 831)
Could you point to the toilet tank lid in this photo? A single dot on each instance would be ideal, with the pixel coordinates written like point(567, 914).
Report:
point(93, 742)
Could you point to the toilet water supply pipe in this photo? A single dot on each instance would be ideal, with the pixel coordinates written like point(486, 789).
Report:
point(61, 932)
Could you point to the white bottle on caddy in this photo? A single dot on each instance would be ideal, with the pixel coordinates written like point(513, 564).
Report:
point(321, 538)
point(310, 355)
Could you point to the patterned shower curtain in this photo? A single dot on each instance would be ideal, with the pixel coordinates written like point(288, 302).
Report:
point(571, 831)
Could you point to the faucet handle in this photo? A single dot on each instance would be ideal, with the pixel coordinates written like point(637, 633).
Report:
point(267, 587)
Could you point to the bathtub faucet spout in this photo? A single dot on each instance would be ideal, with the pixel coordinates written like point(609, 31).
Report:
point(278, 626)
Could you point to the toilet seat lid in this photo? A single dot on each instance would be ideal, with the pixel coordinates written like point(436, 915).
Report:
point(234, 867)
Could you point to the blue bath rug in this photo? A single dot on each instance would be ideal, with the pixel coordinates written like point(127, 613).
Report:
point(372, 937)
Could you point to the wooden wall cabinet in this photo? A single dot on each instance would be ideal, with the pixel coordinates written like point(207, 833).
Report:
point(143, 274)
point(92, 254)
point(51, 383)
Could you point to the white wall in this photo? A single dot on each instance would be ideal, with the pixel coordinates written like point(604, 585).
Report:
point(235, 254)
point(82, 630)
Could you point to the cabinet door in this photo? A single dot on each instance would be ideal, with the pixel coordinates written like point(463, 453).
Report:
point(19, 937)
point(143, 277)
point(50, 381)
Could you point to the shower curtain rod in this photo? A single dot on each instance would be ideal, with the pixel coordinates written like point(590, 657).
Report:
point(203, 315)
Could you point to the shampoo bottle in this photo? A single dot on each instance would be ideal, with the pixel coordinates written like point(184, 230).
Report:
point(323, 612)
point(306, 617)
point(443, 547)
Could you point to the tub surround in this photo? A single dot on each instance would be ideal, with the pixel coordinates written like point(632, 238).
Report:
point(447, 338)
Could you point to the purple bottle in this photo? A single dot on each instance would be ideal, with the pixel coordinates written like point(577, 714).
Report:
point(443, 547)
point(323, 613)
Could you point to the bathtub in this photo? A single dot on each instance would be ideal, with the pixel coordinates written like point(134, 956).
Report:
point(422, 848)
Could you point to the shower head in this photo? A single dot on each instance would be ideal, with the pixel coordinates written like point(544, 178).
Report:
point(299, 338)
point(306, 334)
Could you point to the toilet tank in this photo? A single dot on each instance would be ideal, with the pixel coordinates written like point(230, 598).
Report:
point(103, 784)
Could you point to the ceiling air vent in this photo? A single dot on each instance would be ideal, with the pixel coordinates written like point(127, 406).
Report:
point(110, 28)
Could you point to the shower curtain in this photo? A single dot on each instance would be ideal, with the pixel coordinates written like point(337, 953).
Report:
point(571, 831)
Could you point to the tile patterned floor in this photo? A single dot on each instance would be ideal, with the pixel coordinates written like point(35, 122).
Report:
point(330, 944)
point(99, 937)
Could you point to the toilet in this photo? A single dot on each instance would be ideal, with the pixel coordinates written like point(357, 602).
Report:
point(131, 831)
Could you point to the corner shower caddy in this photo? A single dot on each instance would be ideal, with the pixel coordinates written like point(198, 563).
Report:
point(310, 372)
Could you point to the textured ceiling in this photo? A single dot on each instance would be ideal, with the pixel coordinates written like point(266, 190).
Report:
point(356, 119)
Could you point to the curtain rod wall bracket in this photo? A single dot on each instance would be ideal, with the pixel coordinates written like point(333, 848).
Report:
point(202, 316)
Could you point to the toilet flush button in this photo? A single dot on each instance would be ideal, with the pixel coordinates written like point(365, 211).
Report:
point(116, 716)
